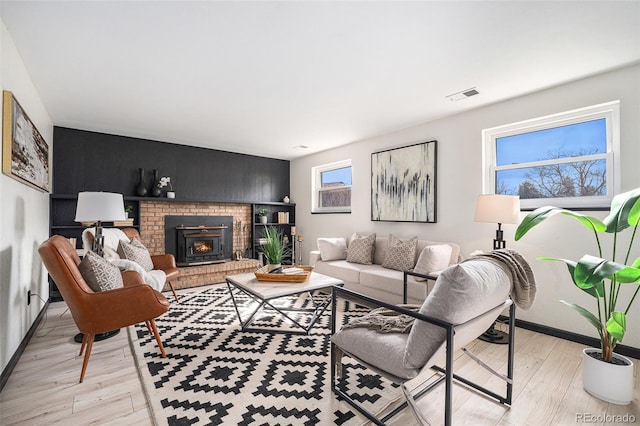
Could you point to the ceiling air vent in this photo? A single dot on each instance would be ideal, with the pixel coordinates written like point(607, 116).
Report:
point(463, 94)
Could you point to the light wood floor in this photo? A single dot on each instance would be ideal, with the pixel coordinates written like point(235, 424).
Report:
point(44, 388)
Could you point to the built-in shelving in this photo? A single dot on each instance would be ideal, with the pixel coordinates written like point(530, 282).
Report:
point(285, 226)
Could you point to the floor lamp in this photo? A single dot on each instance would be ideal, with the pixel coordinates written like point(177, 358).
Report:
point(497, 208)
point(98, 207)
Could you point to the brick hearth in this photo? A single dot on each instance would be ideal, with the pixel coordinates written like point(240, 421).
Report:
point(152, 215)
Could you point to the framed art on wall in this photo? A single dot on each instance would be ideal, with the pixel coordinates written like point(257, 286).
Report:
point(25, 153)
point(403, 184)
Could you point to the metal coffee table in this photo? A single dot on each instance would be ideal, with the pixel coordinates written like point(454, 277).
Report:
point(265, 292)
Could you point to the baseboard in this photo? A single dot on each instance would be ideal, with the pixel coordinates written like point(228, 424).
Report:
point(575, 337)
point(18, 353)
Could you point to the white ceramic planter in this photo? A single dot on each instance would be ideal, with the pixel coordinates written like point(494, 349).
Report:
point(263, 219)
point(171, 194)
point(608, 382)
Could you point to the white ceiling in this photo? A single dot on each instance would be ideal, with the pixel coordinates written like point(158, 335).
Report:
point(265, 77)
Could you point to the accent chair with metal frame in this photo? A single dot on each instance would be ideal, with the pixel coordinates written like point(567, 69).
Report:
point(464, 302)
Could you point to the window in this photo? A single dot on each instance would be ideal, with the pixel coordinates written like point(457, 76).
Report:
point(567, 160)
point(332, 188)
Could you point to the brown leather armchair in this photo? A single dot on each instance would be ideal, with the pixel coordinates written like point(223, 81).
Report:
point(100, 312)
point(163, 262)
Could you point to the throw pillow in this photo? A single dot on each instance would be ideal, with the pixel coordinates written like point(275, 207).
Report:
point(332, 248)
point(361, 249)
point(99, 274)
point(137, 252)
point(433, 259)
point(400, 255)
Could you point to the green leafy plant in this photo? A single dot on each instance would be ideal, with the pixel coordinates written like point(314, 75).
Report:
point(263, 212)
point(274, 248)
point(601, 278)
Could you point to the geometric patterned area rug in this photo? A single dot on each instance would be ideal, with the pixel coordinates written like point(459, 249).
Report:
point(216, 374)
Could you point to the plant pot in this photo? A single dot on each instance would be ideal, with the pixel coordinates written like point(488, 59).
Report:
point(609, 382)
point(263, 219)
point(171, 194)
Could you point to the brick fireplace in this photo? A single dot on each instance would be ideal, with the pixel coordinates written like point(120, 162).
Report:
point(152, 230)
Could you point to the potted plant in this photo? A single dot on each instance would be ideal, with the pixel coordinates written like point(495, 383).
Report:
point(262, 214)
point(274, 247)
point(128, 209)
point(606, 375)
point(165, 181)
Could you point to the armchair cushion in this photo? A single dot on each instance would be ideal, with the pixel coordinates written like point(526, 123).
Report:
point(137, 252)
point(99, 274)
point(383, 351)
point(462, 292)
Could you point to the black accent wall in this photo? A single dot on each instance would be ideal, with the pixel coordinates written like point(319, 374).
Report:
point(90, 161)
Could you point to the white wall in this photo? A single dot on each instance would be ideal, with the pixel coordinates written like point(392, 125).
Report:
point(459, 183)
point(24, 217)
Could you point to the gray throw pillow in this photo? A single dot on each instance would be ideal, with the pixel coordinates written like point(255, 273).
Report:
point(137, 252)
point(361, 249)
point(99, 274)
point(400, 255)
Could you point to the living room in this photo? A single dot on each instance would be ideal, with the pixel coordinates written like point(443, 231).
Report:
point(459, 180)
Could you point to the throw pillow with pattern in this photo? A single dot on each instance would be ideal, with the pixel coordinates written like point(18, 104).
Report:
point(99, 274)
point(137, 252)
point(361, 249)
point(400, 255)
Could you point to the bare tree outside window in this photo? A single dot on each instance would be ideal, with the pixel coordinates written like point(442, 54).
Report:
point(574, 179)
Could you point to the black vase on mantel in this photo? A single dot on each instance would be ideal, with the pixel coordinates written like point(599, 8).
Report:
point(155, 189)
point(141, 188)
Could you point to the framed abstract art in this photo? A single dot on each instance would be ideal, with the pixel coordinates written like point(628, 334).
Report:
point(403, 183)
point(25, 153)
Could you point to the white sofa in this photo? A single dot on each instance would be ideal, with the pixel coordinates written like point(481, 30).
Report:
point(377, 281)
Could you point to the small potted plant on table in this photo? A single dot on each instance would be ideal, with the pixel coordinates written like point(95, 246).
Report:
point(274, 247)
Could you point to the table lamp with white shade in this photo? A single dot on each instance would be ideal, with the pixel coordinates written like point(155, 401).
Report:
point(497, 208)
point(99, 207)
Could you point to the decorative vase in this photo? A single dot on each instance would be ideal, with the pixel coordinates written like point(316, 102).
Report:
point(141, 188)
point(171, 194)
point(263, 219)
point(286, 199)
point(606, 381)
point(155, 190)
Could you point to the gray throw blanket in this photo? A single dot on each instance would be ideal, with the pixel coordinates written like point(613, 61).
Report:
point(523, 282)
point(385, 320)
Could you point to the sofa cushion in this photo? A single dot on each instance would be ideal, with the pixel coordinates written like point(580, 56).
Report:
point(361, 248)
point(382, 278)
point(137, 252)
point(332, 248)
point(462, 292)
point(341, 269)
point(99, 274)
point(400, 255)
point(432, 259)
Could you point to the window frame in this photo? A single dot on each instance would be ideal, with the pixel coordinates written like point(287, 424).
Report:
point(316, 186)
point(610, 111)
